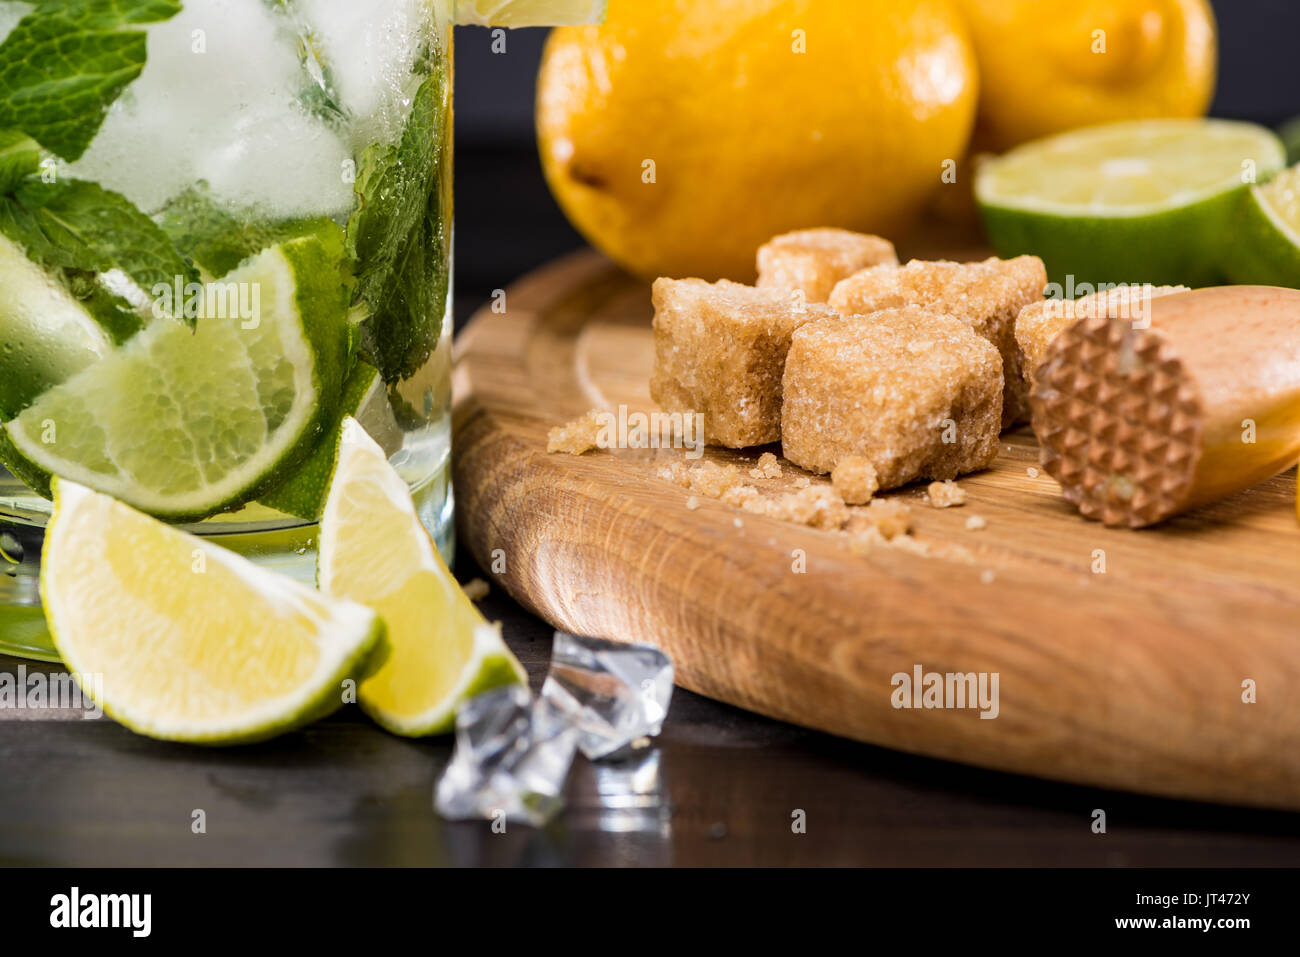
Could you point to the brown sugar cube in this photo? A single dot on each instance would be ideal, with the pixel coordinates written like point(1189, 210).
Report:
point(720, 350)
point(988, 296)
point(814, 260)
point(1041, 322)
point(916, 394)
point(855, 479)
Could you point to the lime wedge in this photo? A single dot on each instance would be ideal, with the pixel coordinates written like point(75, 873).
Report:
point(185, 424)
point(46, 336)
point(529, 13)
point(374, 550)
point(365, 398)
point(182, 640)
point(1149, 201)
point(1266, 237)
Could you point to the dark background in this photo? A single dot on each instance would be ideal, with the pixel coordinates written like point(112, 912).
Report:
point(507, 223)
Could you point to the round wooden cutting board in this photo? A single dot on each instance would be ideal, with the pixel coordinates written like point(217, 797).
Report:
point(1164, 661)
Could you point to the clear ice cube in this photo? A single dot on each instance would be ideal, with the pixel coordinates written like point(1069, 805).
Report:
point(616, 694)
point(218, 102)
point(512, 756)
point(371, 51)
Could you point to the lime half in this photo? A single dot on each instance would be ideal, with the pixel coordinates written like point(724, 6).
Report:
point(374, 550)
point(183, 640)
point(185, 423)
point(1149, 201)
point(46, 336)
point(1265, 247)
point(529, 13)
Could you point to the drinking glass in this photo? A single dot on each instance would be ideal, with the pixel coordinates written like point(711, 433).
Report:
point(224, 225)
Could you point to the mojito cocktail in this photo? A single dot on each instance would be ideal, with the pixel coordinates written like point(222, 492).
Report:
point(225, 225)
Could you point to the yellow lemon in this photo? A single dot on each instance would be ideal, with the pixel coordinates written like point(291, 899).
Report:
point(683, 134)
point(1047, 66)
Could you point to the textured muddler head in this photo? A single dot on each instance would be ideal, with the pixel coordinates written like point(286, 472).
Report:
point(1139, 424)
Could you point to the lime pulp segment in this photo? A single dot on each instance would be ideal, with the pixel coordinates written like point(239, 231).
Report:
point(183, 424)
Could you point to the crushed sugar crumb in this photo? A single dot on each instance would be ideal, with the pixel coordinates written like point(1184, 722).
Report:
point(870, 538)
point(890, 517)
point(577, 437)
point(946, 495)
point(817, 507)
point(767, 467)
point(855, 479)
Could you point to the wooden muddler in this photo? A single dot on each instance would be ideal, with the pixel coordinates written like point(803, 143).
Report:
point(1142, 420)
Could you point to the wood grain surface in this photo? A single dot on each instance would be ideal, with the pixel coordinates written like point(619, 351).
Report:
point(1121, 655)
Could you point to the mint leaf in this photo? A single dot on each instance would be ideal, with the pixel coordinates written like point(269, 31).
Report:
point(398, 240)
point(65, 63)
point(78, 226)
point(219, 240)
point(20, 157)
point(114, 314)
point(403, 331)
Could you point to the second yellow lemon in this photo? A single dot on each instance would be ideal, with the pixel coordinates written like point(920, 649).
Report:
point(1047, 66)
point(683, 134)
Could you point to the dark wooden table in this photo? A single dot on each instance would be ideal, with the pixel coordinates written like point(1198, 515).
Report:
point(78, 792)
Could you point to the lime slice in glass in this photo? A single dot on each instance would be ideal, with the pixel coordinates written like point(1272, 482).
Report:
point(46, 336)
point(1265, 246)
point(184, 423)
point(374, 550)
point(1149, 201)
point(180, 639)
point(529, 13)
